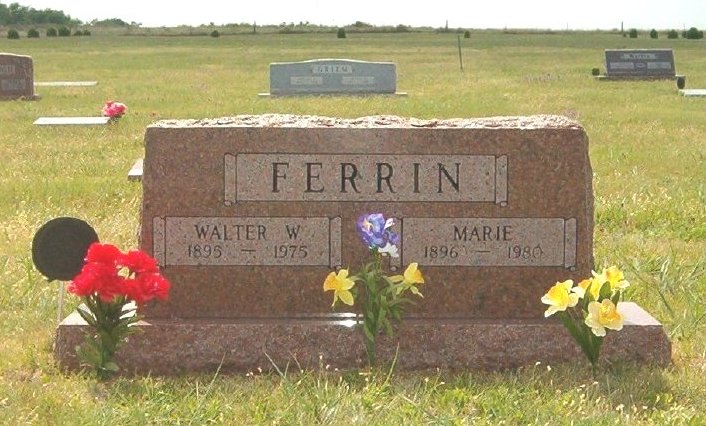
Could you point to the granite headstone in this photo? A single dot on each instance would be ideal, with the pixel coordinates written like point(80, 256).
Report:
point(247, 215)
point(332, 76)
point(16, 77)
point(639, 64)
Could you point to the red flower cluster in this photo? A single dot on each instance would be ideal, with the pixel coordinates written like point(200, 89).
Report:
point(110, 273)
point(114, 109)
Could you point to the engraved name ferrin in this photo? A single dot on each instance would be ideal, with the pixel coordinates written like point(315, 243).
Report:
point(638, 56)
point(232, 241)
point(332, 69)
point(356, 177)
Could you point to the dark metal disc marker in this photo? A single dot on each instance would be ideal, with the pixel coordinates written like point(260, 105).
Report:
point(59, 247)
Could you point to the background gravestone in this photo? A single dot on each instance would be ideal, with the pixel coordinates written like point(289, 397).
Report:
point(16, 77)
point(247, 215)
point(639, 64)
point(332, 76)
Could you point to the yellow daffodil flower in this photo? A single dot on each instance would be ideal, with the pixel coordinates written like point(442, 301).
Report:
point(604, 315)
point(341, 286)
point(616, 278)
point(560, 297)
point(411, 277)
point(590, 285)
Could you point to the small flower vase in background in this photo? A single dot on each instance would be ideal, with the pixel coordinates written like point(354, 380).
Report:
point(113, 110)
point(113, 284)
point(382, 297)
point(589, 309)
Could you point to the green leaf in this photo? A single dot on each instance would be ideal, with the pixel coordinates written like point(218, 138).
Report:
point(605, 292)
point(587, 298)
point(87, 316)
point(89, 353)
point(382, 313)
point(111, 366)
point(388, 328)
point(368, 334)
point(616, 298)
point(107, 340)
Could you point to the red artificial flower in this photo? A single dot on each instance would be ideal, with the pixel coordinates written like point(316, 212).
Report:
point(147, 286)
point(114, 109)
point(91, 278)
point(107, 280)
point(101, 275)
point(103, 253)
point(139, 262)
point(155, 286)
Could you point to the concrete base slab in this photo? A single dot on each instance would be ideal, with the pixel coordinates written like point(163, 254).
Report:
point(167, 347)
point(65, 83)
point(72, 121)
point(135, 173)
point(636, 78)
point(693, 92)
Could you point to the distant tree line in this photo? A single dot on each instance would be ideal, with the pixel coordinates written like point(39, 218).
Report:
point(15, 14)
point(113, 22)
point(692, 33)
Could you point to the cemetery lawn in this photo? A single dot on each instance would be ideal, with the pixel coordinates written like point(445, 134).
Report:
point(647, 147)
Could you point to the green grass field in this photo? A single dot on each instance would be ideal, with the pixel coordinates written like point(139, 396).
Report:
point(647, 147)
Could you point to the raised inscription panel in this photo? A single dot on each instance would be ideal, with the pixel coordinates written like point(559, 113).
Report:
point(247, 215)
point(640, 63)
point(231, 241)
point(355, 177)
point(530, 242)
point(332, 76)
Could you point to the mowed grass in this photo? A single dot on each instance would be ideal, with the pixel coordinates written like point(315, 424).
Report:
point(648, 151)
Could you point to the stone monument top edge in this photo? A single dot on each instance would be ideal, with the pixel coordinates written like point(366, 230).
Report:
point(14, 54)
point(375, 121)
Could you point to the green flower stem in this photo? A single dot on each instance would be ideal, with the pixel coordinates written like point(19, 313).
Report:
point(372, 309)
point(589, 343)
point(110, 325)
point(381, 303)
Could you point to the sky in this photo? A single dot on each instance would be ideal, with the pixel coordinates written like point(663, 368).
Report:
point(541, 14)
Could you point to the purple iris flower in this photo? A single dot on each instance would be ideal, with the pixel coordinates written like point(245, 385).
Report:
point(374, 230)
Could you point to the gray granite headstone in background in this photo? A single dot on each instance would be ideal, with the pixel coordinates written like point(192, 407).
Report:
point(16, 77)
point(332, 76)
point(639, 63)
